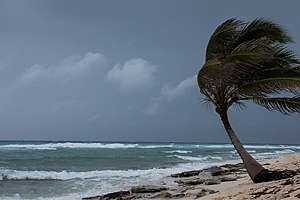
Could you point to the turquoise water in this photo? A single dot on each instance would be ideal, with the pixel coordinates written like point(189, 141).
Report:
point(72, 170)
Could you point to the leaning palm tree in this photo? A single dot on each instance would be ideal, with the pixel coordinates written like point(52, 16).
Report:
point(250, 61)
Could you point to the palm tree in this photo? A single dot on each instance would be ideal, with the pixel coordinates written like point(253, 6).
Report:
point(250, 61)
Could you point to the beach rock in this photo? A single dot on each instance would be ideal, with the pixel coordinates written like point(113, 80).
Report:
point(190, 181)
point(166, 195)
point(158, 195)
point(114, 195)
point(187, 174)
point(229, 168)
point(212, 182)
point(205, 192)
point(200, 194)
point(147, 189)
point(178, 195)
point(214, 169)
point(227, 178)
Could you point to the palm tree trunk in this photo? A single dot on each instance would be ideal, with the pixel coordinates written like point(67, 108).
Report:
point(254, 169)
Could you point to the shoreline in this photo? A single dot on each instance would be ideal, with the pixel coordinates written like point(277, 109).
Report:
point(220, 183)
point(244, 188)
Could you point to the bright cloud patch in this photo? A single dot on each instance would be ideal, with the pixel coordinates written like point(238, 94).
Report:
point(170, 93)
point(135, 74)
point(152, 109)
point(70, 68)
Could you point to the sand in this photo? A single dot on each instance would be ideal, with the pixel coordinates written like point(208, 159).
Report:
point(244, 188)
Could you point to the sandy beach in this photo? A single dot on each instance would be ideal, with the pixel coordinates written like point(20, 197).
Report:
point(244, 188)
point(235, 185)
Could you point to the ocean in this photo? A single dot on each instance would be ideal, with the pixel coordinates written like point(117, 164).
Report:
point(73, 170)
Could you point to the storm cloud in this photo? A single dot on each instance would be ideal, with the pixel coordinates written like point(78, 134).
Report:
point(124, 71)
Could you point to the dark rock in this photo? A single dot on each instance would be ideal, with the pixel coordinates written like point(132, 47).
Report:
point(190, 181)
point(212, 191)
point(213, 169)
point(116, 194)
point(227, 179)
point(234, 167)
point(147, 189)
point(94, 197)
point(187, 174)
point(200, 194)
point(220, 173)
point(205, 192)
point(113, 195)
point(166, 195)
point(228, 169)
point(212, 182)
point(177, 196)
point(297, 196)
point(158, 195)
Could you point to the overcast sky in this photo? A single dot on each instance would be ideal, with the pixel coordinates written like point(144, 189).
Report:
point(115, 70)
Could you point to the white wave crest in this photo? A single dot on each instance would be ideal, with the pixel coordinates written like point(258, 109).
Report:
point(198, 158)
point(219, 146)
point(156, 146)
point(104, 175)
point(77, 145)
point(254, 146)
point(178, 151)
point(286, 151)
point(190, 158)
point(71, 145)
point(271, 146)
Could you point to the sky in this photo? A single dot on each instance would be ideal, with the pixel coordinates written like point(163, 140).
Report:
point(115, 70)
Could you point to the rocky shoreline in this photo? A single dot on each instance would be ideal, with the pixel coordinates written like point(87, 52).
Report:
point(189, 184)
point(222, 183)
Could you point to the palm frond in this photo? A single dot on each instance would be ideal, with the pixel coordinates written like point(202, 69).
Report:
point(275, 73)
point(270, 86)
point(286, 55)
point(254, 63)
point(284, 105)
point(208, 69)
point(239, 105)
point(206, 104)
point(222, 40)
point(250, 55)
point(262, 27)
point(283, 58)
